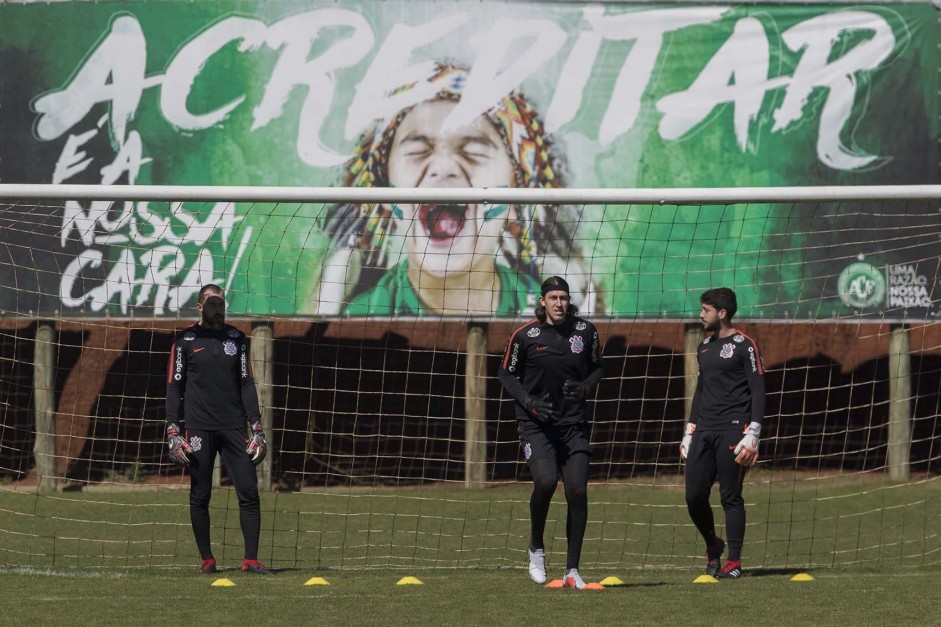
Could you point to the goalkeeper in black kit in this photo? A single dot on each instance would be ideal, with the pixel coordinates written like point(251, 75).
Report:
point(551, 366)
point(721, 437)
point(210, 384)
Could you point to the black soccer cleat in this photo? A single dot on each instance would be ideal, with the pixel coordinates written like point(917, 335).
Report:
point(254, 566)
point(714, 556)
point(208, 567)
point(731, 570)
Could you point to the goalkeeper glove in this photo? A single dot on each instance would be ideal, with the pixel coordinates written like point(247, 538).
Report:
point(542, 410)
point(687, 439)
point(179, 447)
point(573, 390)
point(257, 446)
point(746, 453)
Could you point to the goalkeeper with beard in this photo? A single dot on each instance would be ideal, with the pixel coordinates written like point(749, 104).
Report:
point(210, 383)
point(721, 436)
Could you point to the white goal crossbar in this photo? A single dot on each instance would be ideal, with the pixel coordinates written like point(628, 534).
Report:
point(674, 196)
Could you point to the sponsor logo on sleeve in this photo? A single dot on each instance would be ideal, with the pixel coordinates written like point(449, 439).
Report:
point(514, 357)
point(178, 364)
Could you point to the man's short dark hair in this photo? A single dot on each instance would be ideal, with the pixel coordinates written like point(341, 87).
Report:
point(210, 289)
point(720, 298)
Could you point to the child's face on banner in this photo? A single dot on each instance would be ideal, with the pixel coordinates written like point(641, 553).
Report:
point(445, 239)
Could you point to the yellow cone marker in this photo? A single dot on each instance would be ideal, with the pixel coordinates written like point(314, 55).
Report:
point(705, 579)
point(409, 581)
point(316, 581)
point(223, 583)
point(802, 577)
point(610, 582)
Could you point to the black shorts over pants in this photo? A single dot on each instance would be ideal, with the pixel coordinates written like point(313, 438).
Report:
point(557, 442)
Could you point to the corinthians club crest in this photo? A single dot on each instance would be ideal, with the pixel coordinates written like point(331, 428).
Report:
point(578, 344)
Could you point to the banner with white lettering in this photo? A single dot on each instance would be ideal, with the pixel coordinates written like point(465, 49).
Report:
point(423, 93)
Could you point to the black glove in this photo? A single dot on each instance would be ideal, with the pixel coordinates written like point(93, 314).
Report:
point(541, 409)
point(257, 445)
point(573, 390)
point(179, 447)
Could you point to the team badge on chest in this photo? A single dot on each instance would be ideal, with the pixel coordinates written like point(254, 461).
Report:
point(578, 344)
point(229, 347)
point(727, 350)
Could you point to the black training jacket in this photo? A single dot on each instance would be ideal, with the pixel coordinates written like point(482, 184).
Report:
point(210, 383)
point(540, 357)
point(730, 388)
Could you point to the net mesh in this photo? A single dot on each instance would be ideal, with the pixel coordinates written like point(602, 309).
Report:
point(368, 414)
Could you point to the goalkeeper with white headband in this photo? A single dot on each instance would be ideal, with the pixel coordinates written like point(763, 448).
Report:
point(721, 437)
point(210, 383)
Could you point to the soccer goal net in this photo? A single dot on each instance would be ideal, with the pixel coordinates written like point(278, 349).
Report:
point(377, 320)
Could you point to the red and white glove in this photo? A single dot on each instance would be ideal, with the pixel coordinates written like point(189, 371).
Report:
point(746, 453)
point(179, 447)
point(687, 439)
point(257, 446)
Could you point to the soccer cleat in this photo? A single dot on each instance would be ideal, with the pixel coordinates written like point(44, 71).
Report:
point(731, 570)
point(573, 580)
point(208, 567)
point(714, 556)
point(254, 566)
point(537, 565)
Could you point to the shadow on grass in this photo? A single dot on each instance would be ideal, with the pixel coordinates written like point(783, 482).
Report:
point(635, 586)
point(774, 572)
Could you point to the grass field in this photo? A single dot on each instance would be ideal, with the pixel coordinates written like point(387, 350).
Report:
point(465, 597)
point(116, 554)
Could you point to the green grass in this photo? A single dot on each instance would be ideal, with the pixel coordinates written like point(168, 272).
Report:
point(839, 521)
point(117, 552)
point(464, 597)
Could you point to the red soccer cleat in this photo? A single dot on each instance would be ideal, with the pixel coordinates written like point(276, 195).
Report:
point(731, 570)
point(254, 566)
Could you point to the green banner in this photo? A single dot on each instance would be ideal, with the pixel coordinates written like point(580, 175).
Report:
point(422, 93)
